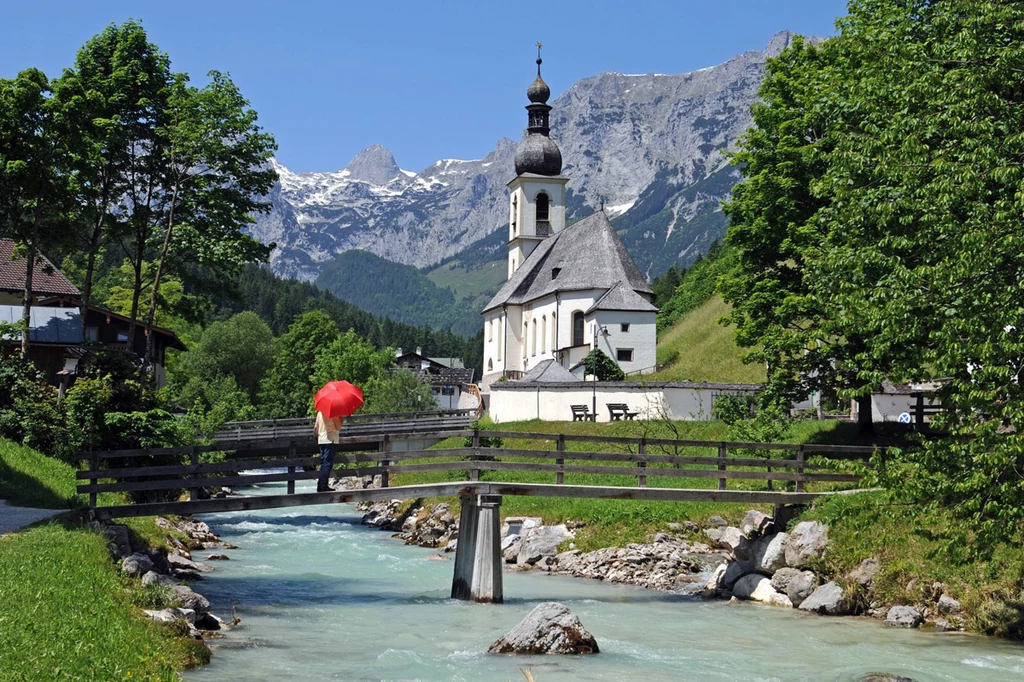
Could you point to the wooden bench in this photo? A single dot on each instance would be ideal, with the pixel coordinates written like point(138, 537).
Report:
point(580, 413)
point(619, 410)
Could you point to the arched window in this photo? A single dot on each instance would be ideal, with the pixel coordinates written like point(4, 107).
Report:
point(490, 365)
point(533, 338)
point(526, 329)
point(501, 335)
point(577, 328)
point(554, 334)
point(490, 330)
point(544, 334)
point(543, 203)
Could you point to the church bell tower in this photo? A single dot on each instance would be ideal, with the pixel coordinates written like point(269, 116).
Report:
point(537, 201)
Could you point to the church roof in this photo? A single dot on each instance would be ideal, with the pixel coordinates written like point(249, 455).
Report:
point(548, 371)
point(621, 297)
point(586, 255)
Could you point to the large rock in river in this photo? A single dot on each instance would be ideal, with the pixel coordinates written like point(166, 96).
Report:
point(551, 628)
point(827, 600)
point(541, 541)
point(806, 543)
point(757, 587)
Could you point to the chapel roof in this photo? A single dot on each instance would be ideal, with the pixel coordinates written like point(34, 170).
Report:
point(585, 255)
point(621, 297)
point(547, 371)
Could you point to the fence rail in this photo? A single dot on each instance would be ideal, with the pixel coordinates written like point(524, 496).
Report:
point(270, 461)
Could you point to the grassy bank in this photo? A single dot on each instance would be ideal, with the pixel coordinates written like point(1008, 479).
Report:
point(618, 522)
point(65, 611)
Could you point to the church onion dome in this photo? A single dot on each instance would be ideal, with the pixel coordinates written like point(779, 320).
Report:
point(538, 92)
point(538, 154)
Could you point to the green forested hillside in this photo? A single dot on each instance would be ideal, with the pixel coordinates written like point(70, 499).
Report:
point(400, 292)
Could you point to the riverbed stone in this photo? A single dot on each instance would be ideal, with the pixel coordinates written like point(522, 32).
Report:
point(781, 578)
point(756, 523)
point(807, 542)
point(154, 578)
point(948, 605)
point(865, 572)
point(757, 587)
point(716, 521)
point(550, 628)
point(883, 677)
point(187, 599)
point(903, 617)
point(176, 562)
point(770, 553)
point(827, 600)
point(715, 582)
point(541, 541)
point(730, 538)
point(801, 586)
point(136, 564)
point(734, 571)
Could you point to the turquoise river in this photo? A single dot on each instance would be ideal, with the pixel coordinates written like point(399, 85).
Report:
point(321, 597)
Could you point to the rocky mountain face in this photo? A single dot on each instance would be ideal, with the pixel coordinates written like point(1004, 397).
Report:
point(647, 147)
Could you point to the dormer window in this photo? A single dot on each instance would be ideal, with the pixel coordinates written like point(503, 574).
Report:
point(554, 272)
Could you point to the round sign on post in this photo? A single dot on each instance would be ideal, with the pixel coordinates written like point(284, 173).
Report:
point(904, 418)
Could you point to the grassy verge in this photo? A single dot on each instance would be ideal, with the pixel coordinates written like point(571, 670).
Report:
point(916, 547)
point(65, 613)
point(618, 522)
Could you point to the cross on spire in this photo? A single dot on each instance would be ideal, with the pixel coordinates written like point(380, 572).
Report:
point(539, 60)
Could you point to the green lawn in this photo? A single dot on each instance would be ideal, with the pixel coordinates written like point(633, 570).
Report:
point(704, 350)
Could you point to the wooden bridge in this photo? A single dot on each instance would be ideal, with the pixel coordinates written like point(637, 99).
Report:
point(390, 446)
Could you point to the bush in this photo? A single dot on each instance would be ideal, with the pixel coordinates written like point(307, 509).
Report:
point(603, 367)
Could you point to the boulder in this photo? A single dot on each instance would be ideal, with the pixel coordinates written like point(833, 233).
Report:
point(180, 563)
point(170, 615)
point(541, 541)
point(551, 628)
point(948, 605)
point(770, 553)
point(735, 571)
point(510, 546)
point(152, 577)
point(716, 580)
point(943, 625)
point(187, 599)
point(864, 574)
point(118, 540)
point(136, 564)
point(756, 587)
point(717, 522)
point(218, 557)
point(801, 586)
point(827, 600)
point(806, 543)
point(756, 523)
point(781, 578)
point(731, 539)
point(903, 617)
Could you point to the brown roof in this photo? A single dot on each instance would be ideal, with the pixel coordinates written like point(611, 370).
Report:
point(12, 274)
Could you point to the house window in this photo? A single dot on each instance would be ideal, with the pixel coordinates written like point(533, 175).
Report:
point(122, 337)
point(92, 333)
point(577, 328)
point(542, 206)
point(624, 355)
point(448, 390)
point(625, 327)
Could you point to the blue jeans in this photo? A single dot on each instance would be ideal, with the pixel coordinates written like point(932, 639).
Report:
point(326, 463)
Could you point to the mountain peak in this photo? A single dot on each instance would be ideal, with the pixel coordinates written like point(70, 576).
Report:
point(375, 165)
point(779, 42)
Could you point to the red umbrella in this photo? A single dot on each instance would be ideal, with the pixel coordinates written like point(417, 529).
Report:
point(338, 399)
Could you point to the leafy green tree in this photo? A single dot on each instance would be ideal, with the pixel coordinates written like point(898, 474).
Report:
point(287, 390)
point(397, 391)
point(37, 189)
point(120, 284)
point(353, 359)
point(216, 173)
point(241, 347)
point(598, 364)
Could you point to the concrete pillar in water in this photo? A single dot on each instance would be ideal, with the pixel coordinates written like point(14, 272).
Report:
point(478, 565)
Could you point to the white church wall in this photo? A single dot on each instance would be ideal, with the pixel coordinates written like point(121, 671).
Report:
point(553, 402)
point(640, 337)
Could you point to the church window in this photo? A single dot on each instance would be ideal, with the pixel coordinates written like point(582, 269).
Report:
point(554, 334)
point(624, 327)
point(526, 328)
point(533, 339)
point(490, 365)
point(554, 272)
point(544, 334)
point(542, 206)
point(501, 335)
point(490, 330)
point(577, 328)
point(624, 355)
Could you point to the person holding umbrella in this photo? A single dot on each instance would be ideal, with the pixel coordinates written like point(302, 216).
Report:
point(337, 399)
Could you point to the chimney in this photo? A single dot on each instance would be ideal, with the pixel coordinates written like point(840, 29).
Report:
point(419, 351)
point(398, 352)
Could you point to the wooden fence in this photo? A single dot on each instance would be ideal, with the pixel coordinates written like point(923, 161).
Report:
point(673, 463)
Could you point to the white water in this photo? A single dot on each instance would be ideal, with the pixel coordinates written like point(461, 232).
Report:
point(322, 597)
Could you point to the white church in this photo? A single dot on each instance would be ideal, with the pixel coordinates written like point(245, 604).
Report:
point(569, 289)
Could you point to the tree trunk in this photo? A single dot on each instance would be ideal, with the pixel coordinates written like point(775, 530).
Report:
point(156, 280)
point(140, 252)
point(92, 248)
point(30, 263)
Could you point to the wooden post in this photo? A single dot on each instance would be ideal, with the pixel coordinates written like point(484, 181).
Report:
point(560, 461)
point(641, 480)
point(94, 464)
point(768, 468)
point(800, 467)
point(193, 491)
point(291, 468)
point(722, 454)
point(385, 447)
point(474, 474)
point(919, 412)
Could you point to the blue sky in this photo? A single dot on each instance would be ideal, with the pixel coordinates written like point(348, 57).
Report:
point(428, 80)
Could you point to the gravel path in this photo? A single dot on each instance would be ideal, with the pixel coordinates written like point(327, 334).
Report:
point(16, 518)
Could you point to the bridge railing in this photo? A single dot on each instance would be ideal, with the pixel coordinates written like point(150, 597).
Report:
point(357, 423)
point(671, 463)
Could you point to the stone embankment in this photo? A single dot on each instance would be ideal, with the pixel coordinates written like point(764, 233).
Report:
point(172, 569)
point(754, 562)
